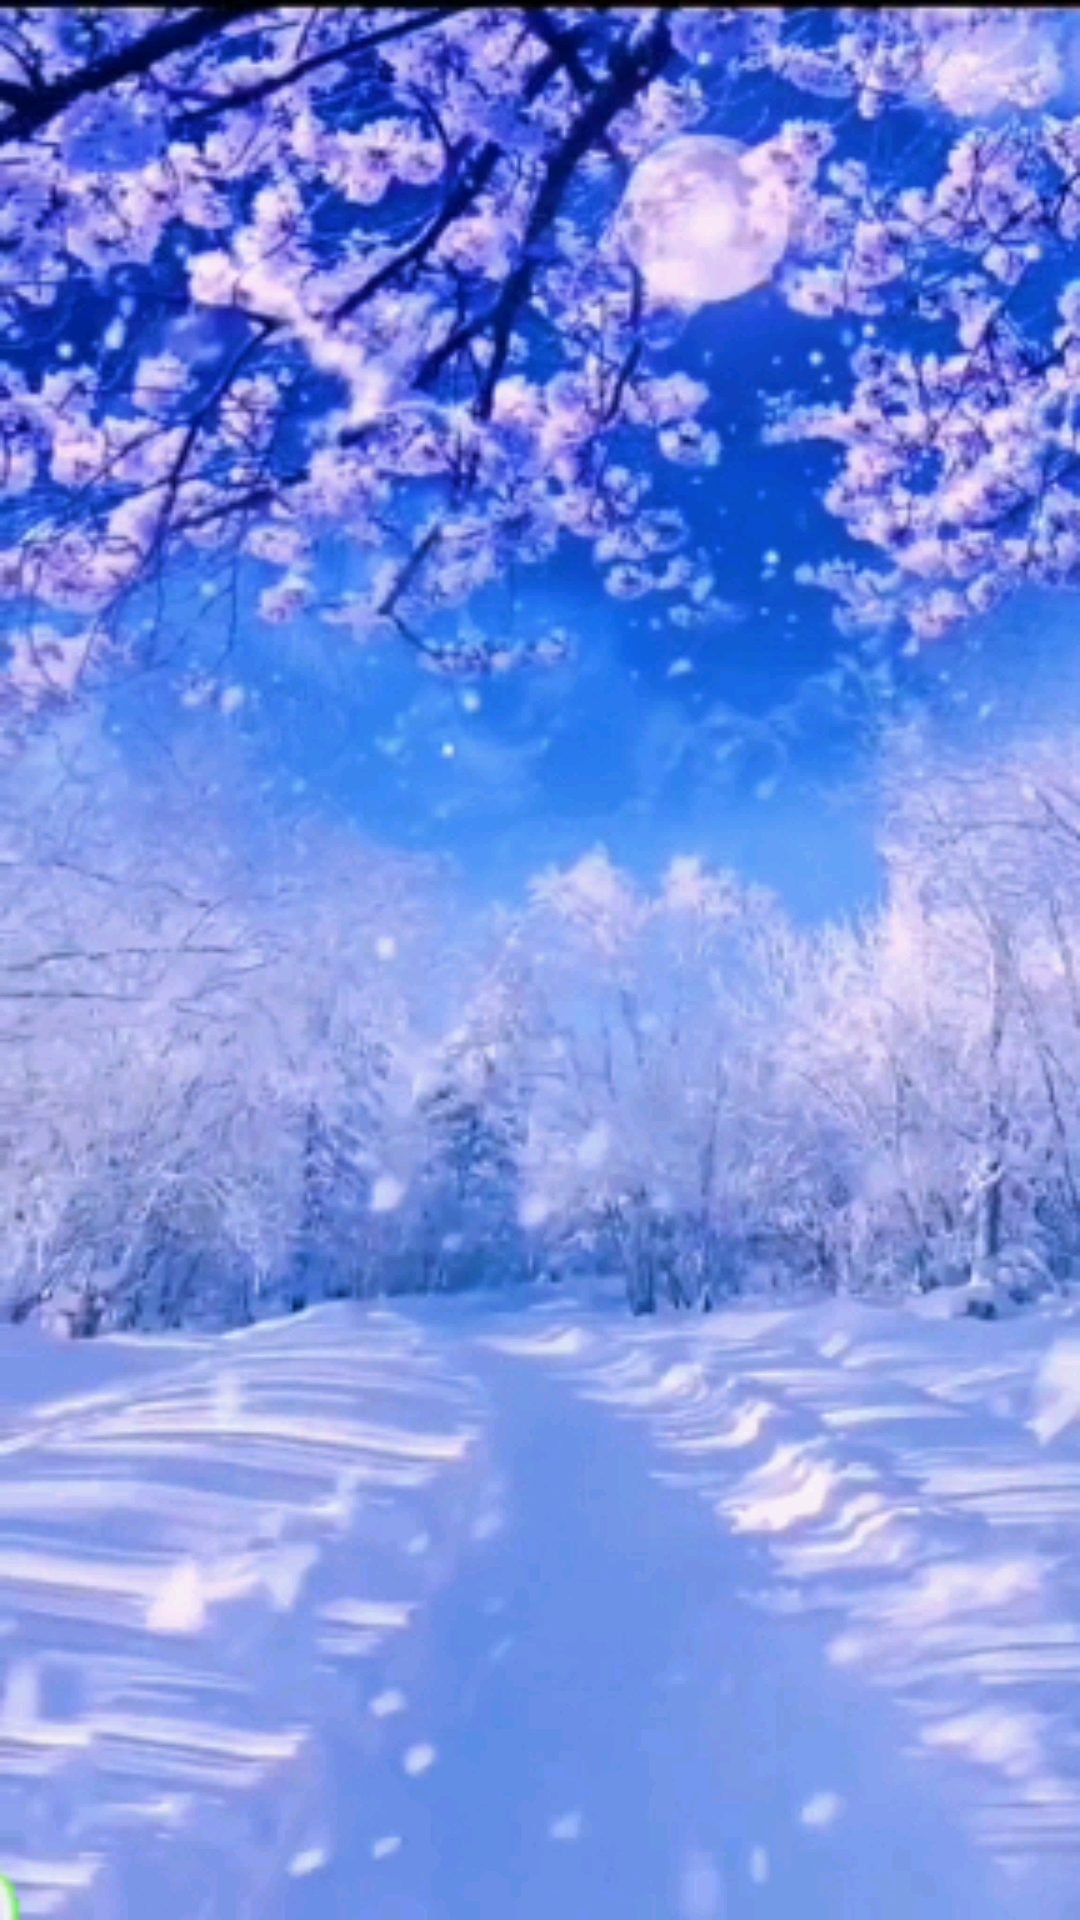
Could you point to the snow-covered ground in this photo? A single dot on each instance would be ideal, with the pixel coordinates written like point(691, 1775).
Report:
point(496, 1609)
point(207, 1548)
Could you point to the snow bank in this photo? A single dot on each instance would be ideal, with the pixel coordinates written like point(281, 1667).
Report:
point(916, 1483)
point(203, 1545)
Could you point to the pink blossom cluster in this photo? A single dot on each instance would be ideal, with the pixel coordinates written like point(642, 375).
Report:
point(959, 466)
point(274, 279)
point(963, 60)
point(324, 318)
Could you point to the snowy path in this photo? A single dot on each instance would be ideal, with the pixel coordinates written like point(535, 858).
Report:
point(620, 1735)
point(458, 1611)
point(900, 1501)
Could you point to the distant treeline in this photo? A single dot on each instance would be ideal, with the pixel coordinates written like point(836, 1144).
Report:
point(234, 1086)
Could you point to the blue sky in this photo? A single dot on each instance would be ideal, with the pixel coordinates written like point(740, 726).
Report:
point(732, 742)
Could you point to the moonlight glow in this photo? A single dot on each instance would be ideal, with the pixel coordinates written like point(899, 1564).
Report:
point(701, 222)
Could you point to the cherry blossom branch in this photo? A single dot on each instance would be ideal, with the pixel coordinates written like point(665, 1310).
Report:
point(631, 69)
point(473, 174)
point(344, 54)
point(35, 105)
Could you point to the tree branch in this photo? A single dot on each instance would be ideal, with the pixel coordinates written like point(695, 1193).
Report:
point(330, 56)
point(631, 70)
point(37, 105)
point(470, 181)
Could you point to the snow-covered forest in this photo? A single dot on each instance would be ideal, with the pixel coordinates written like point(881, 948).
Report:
point(228, 1094)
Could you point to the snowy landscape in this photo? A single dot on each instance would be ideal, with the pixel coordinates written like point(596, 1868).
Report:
point(467, 1608)
point(539, 963)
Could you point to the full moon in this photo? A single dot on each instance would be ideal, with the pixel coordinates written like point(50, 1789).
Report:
point(701, 222)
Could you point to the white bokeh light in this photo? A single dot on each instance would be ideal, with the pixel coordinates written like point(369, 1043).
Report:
point(702, 221)
point(387, 1193)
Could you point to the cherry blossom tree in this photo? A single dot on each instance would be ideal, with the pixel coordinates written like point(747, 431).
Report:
point(957, 433)
point(270, 277)
point(282, 283)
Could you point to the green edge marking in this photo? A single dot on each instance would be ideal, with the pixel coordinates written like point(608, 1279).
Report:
point(9, 1899)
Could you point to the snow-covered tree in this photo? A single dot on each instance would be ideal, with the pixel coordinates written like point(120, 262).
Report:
point(643, 1015)
point(985, 848)
point(184, 1032)
point(245, 1071)
point(717, 1101)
